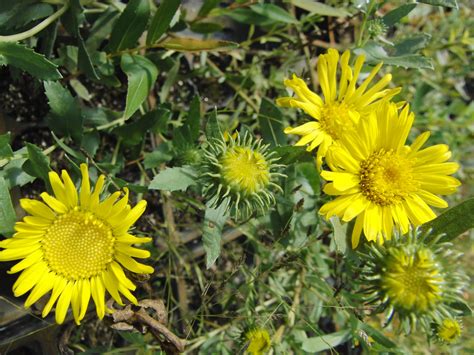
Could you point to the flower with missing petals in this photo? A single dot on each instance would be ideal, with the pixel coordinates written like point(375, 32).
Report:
point(258, 341)
point(76, 246)
point(344, 103)
point(449, 331)
point(384, 183)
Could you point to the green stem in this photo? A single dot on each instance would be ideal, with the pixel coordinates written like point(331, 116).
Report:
point(38, 28)
point(364, 22)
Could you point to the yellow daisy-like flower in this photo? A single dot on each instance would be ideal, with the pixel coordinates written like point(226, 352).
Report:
point(342, 107)
point(258, 341)
point(384, 183)
point(449, 330)
point(76, 247)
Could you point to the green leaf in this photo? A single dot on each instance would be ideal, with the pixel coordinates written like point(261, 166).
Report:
point(65, 116)
point(84, 62)
point(214, 219)
point(5, 148)
point(205, 27)
point(197, 45)
point(375, 53)
point(162, 19)
point(412, 44)
point(340, 233)
point(377, 336)
point(290, 154)
point(454, 221)
point(397, 14)
point(141, 74)
point(24, 58)
point(249, 17)
point(325, 342)
point(160, 155)
point(445, 3)
point(310, 173)
point(319, 8)
point(133, 133)
point(213, 128)
point(101, 28)
point(130, 25)
point(462, 307)
point(27, 14)
point(173, 179)
point(7, 212)
point(37, 164)
point(13, 171)
point(188, 133)
point(270, 120)
point(273, 12)
point(207, 6)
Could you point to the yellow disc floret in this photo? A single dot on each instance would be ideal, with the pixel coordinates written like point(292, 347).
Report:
point(412, 280)
point(89, 237)
point(258, 341)
point(449, 331)
point(245, 170)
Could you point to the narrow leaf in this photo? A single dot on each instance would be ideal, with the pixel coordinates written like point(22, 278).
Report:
point(376, 53)
point(24, 58)
point(214, 219)
point(270, 120)
point(141, 74)
point(173, 179)
point(397, 14)
point(273, 12)
point(5, 148)
point(162, 19)
point(130, 25)
point(37, 164)
point(213, 128)
point(197, 45)
point(325, 342)
point(7, 212)
point(445, 3)
point(412, 44)
point(319, 8)
point(454, 221)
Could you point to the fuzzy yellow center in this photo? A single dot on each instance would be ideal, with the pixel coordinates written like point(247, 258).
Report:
point(259, 341)
point(386, 178)
point(78, 245)
point(450, 330)
point(336, 119)
point(412, 280)
point(244, 170)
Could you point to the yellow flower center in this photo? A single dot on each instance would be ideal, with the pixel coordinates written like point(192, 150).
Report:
point(259, 341)
point(450, 330)
point(335, 119)
point(78, 245)
point(386, 178)
point(412, 280)
point(245, 170)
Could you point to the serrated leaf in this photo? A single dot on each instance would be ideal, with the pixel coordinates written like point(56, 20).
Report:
point(161, 20)
point(376, 53)
point(37, 164)
point(325, 342)
point(412, 44)
point(130, 25)
point(214, 219)
point(397, 14)
point(270, 120)
point(273, 12)
point(160, 155)
point(141, 74)
point(454, 221)
point(445, 3)
point(24, 58)
point(174, 179)
point(319, 8)
point(65, 116)
point(5, 148)
point(7, 212)
point(197, 45)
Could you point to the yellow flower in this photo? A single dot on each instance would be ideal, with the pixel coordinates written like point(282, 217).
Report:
point(342, 107)
point(76, 247)
point(411, 279)
point(449, 330)
point(258, 341)
point(384, 183)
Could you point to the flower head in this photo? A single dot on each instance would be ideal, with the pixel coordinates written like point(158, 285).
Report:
point(384, 183)
point(240, 172)
point(414, 277)
point(75, 246)
point(342, 107)
point(449, 331)
point(258, 341)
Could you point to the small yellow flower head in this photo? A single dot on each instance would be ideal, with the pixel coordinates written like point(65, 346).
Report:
point(258, 341)
point(449, 331)
point(75, 246)
point(240, 172)
point(414, 277)
point(343, 105)
point(382, 182)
